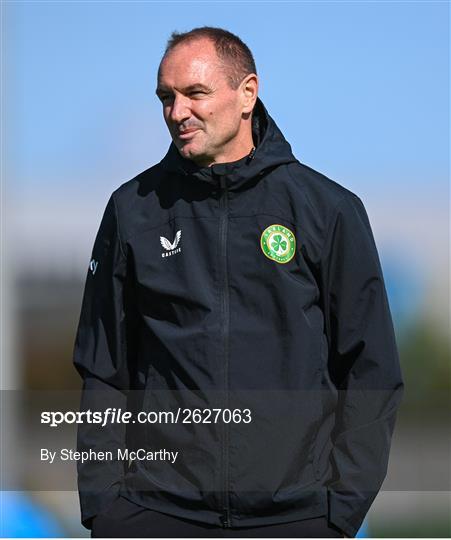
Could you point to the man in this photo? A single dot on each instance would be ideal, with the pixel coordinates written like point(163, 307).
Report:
point(238, 287)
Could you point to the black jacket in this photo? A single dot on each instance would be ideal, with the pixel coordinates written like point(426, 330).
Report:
point(247, 286)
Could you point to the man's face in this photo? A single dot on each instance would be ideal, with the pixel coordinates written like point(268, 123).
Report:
point(202, 112)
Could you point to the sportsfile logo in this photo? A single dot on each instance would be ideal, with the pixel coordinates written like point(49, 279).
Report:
point(171, 248)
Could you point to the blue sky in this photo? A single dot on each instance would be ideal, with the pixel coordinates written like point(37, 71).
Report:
point(353, 85)
point(360, 90)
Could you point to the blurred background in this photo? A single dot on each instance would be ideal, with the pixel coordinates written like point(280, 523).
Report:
point(359, 89)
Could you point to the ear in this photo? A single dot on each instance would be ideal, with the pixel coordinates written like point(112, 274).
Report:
point(249, 92)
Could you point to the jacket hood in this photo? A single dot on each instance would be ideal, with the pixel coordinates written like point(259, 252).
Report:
point(271, 150)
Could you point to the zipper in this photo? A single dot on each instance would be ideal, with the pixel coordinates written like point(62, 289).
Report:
point(225, 518)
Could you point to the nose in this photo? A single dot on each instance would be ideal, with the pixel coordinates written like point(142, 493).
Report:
point(180, 110)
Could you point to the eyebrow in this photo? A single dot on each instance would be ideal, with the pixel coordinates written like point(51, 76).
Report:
point(198, 86)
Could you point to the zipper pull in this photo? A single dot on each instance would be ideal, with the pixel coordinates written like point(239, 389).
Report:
point(225, 518)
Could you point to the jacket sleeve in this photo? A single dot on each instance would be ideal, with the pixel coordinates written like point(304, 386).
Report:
point(100, 357)
point(363, 364)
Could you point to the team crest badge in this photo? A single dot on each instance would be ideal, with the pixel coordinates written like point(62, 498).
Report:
point(278, 243)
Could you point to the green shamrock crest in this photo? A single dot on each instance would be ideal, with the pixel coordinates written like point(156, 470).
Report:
point(278, 243)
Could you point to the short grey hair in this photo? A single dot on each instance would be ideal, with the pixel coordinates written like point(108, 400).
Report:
point(234, 54)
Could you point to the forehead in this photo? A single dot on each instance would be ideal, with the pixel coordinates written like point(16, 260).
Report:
point(190, 62)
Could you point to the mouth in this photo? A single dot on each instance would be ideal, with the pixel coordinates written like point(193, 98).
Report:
point(187, 134)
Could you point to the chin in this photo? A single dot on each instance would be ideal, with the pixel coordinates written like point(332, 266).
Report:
point(192, 153)
point(185, 150)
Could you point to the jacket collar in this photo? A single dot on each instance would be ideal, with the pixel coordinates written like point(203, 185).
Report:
point(271, 150)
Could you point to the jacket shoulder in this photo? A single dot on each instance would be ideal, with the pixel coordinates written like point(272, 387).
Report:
point(137, 196)
point(141, 185)
point(319, 200)
point(319, 187)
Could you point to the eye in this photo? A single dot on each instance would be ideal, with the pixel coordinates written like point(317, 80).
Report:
point(164, 97)
point(196, 92)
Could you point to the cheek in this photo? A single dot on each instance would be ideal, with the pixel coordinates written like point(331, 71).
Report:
point(222, 121)
point(167, 120)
